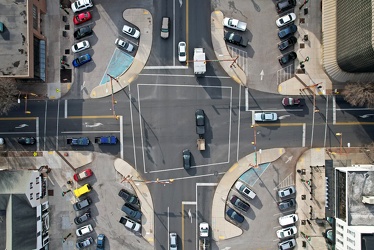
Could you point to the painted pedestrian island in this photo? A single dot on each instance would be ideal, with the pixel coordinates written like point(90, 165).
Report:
point(118, 65)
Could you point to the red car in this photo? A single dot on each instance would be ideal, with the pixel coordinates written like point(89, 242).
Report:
point(82, 17)
point(83, 175)
point(289, 101)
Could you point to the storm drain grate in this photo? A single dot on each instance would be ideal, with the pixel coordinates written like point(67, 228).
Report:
point(50, 192)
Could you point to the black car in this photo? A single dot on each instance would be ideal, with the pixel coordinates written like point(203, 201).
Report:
point(200, 121)
point(288, 58)
point(287, 43)
point(186, 154)
point(82, 218)
point(26, 140)
point(285, 5)
point(237, 202)
point(128, 197)
point(132, 211)
point(82, 32)
point(286, 204)
point(231, 37)
point(289, 30)
point(235, 215)
point(82, 204)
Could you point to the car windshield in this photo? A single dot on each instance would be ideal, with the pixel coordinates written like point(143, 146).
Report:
point(182, 54)
point(231, 36)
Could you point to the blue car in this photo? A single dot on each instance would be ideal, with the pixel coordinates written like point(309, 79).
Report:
point(81, 60)
point(100, 242)
point(287, 31)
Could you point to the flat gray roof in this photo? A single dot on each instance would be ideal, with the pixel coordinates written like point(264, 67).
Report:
point(13, 41)
point(360, 183)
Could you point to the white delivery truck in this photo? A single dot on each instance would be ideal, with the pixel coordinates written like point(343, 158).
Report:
point(199, 64)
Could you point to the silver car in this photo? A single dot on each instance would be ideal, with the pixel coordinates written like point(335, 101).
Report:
point(131, 31)
point(125, 45)
point(288, 244)
point(266, 117)
point(78, 47)
point(286, 191)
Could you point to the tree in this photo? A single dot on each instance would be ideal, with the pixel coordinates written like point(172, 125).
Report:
point(359, 94)
point(8, 95)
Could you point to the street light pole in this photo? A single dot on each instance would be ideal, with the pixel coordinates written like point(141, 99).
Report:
point(113, 101)
point(341, 141)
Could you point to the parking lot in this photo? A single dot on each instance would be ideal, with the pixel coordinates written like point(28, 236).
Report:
point(105, 208)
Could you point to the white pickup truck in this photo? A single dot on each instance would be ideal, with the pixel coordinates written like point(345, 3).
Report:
point(234, 24)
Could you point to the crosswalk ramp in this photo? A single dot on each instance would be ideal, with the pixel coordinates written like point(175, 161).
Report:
point(242, 60)
point(285, 73)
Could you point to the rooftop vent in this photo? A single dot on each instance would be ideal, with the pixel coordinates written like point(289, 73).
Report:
point(368, 199)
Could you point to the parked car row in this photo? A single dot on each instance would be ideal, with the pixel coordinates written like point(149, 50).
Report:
point(126, 45)
point(286, 33)
point(287, 221)
point(240, 204)
point(131, 209)
point(233, 37)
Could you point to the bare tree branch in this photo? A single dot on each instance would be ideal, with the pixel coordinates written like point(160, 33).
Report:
point(8, 95)
point(359, 94)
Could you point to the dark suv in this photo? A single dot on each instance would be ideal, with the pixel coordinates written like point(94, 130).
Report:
point(82, 204)
point(237, 202)
point(132, 211)
point(285, 5)
point(82, 218)
point(130, 198)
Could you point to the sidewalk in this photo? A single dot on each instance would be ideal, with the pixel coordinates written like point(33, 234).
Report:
point(144, 195)
point(221, 228)
point(143, 20)
point(308, 25)
point(221, 51)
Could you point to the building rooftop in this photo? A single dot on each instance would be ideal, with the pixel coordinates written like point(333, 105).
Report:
point(14, 39)
point(360, 183)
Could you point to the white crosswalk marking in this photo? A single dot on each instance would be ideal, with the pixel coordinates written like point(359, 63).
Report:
point(288, 181)
point(285, 73)
point(242, 59)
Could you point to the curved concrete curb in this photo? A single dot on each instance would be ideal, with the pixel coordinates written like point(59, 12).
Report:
point(143, 20)
point(220, 49)
point(221, 228)
point(143, 193)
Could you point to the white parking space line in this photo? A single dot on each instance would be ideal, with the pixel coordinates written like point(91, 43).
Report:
point(304, 135)
point(173, 33)
point(333, 110)
point(192, 76)
point(57, 122)
point(277, 227)
point(189, 202)
point(246, 100)
point(90, 132)
point(166, 67)
point(277, 214)
point(16, 133)
point(121, 135)
point(192, 177)
point(66, 109)
point(239, 103)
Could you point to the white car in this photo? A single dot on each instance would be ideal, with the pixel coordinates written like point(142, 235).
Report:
point(286, 232)
point(84, 230)
point(182, 52)
point(287, 19)
point(131, 31)
point(288, 244)
point(125, 45)
point(286, 191)
point(132, 225)
point(78, 47)
point(266, 117)
point(2, 141)
point(81, 5)
point(173, 241)
point(288, 220)
point(204, 229)
point(244, 190)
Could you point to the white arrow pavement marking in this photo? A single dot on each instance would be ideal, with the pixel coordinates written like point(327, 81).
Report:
point(180, 3)
point(262, 74)
point(365, 116)
point(283, 116)
point(22, 126)
point(93, 125)
point(190, 215)
point(289, 159)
